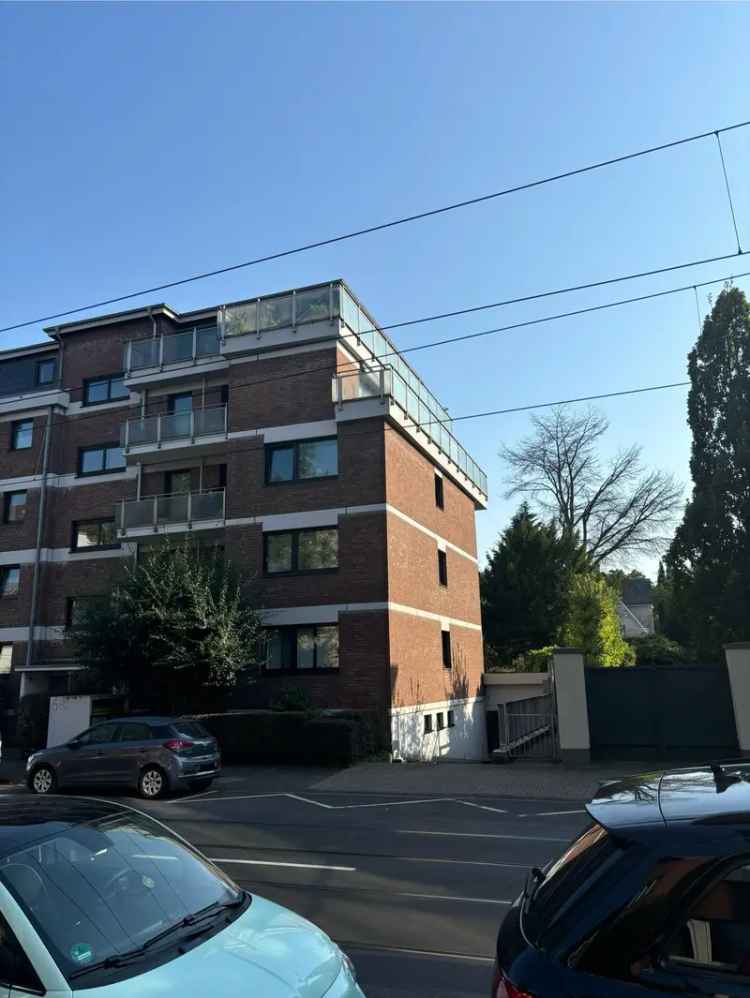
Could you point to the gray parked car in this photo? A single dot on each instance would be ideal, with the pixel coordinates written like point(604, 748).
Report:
point(153, 755)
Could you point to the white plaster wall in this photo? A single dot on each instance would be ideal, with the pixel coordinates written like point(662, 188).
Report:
point(68, 717)
point(465, 741)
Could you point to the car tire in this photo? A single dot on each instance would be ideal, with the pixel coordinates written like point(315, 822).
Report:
point(203, 784)
point(43, 780)
point(152, 783)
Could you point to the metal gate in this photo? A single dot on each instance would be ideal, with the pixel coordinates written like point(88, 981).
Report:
point(668, 712)
point(527, 728)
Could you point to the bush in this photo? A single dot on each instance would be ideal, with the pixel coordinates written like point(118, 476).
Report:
point(275, 736)
point(657, 649)
point(293, 698)
point(534, 660)
point(33, 718)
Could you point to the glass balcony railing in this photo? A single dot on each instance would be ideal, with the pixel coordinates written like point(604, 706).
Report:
point(174, 426)
point(293, 308)
point(161, 511)
point(385, 381)
point(185, 347)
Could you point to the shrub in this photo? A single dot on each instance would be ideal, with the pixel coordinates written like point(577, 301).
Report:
point(657, 649)
point(290, 737)
point(534, 660)
point(293, 698)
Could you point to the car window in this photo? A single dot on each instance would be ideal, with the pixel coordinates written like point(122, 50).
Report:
point(15, 968)
point(715, 936)
point(105, 888)
point(97, 735)
point(190, 729)
point(133, 732)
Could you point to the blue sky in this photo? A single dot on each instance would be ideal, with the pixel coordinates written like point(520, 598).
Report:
point(144, 142)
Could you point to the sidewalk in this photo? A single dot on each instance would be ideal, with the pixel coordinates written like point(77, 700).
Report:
point(549, 781)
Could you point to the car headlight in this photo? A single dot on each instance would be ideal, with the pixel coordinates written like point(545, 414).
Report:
point(31, 760)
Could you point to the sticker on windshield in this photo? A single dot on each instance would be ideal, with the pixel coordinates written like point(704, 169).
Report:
point(148, 882)
point(81, 952)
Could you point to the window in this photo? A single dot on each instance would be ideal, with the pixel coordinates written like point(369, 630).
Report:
point(446, 639)
point(15, 969)
point(177, 483)
point(443, 568)
point(6, 659)
point(439, 493)
point(45, 371)
point(98, 735)
point(428, 724)
point(314, 550)
point(21, 434)
point(135, 733)
point(14, 507)
point(10, 580)
point(441, 721)
point(76, 607)
point(100, 460)
point(714, 938)
point(301, 460)
point(302, 649)
point(183, 402)
point(94, 534)
point(451, 719)
point(108, 388)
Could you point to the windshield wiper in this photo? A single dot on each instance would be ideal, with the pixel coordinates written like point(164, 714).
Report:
point(121, 959)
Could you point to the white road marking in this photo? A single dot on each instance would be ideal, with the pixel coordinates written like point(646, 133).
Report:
point(483, 807)
point(296, 866)
point(450, 897)
point(205, 799)
point(360, 948)
point(549, 814)
point(477, 835)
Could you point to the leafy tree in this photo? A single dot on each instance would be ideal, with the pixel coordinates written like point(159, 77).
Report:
point(616, 508)
point(523, 588)
point(591, 621)
point(709, 560)
point(656, 649)
point(177, 622)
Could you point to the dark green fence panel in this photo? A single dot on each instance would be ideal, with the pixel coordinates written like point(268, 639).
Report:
point(661, 712)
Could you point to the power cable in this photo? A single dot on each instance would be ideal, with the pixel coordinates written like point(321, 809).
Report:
point(729, 193)
point(381, 226)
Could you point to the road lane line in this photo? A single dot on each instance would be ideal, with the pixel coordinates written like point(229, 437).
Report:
point(549, 814)
point(478, 835)
point(296, 866)
point(483, 807)
point(450, 897)
point(364, 948)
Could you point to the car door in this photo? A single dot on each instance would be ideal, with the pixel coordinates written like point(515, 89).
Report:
point(134, 741)
point(17, 975)
point(91, 756)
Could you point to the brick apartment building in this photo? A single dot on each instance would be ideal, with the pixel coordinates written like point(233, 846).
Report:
point(286, 429)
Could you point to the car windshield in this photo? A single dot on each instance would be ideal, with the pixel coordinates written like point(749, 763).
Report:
point(103, 889)
point(190, 729)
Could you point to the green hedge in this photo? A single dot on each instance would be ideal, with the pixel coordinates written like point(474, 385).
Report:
point(289, 737)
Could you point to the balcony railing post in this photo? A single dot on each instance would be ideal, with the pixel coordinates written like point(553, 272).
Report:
point(161, 351)
point(156, 514)
point(158, 430)
point(129, 356)
point(127, 435)
point(192, 425)
point(226, 420)
point(381, 380)
point(189, 507)
point(195, 344)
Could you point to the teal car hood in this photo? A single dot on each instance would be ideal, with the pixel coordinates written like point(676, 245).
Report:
point(268, 952)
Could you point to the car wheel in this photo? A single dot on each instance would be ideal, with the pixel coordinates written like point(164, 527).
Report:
point(197, 785)
point(152, 783)
point(43, 780)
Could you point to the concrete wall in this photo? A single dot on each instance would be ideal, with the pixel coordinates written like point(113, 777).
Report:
point(465, 740)
point(504, 687)
point(738, 667)
point(572, 708)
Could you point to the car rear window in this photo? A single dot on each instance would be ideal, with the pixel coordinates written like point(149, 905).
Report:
point(569, 880)
point(190, 729)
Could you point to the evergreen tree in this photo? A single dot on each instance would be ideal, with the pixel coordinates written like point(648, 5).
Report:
point(591, 622)
point(524, 586)
point(709, 560)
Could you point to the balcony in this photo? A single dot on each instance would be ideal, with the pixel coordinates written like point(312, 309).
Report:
point(171, 513)
point(413, 414)
point(181, 433)
point(171, 351)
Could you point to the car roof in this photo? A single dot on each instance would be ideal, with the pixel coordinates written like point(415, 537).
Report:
point(142, 718)
point(25, 820)
point(717, 793)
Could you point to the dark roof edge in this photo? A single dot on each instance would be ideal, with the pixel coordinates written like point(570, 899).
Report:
point(31, 348)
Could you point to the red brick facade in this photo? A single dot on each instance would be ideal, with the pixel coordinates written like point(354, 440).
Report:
point(385, 595)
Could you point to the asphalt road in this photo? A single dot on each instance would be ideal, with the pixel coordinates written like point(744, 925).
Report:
point(412, 889)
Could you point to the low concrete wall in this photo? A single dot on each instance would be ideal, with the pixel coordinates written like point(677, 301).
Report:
point(738, 668)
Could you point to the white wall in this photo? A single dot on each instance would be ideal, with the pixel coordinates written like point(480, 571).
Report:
point(68, 717)
point(504, 687)
point(465, 741)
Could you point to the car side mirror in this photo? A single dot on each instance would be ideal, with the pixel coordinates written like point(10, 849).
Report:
point(75, 744)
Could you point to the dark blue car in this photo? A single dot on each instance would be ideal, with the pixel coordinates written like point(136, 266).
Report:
point(653, 898)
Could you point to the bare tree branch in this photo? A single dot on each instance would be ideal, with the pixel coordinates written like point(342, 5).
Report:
point(616, 508)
